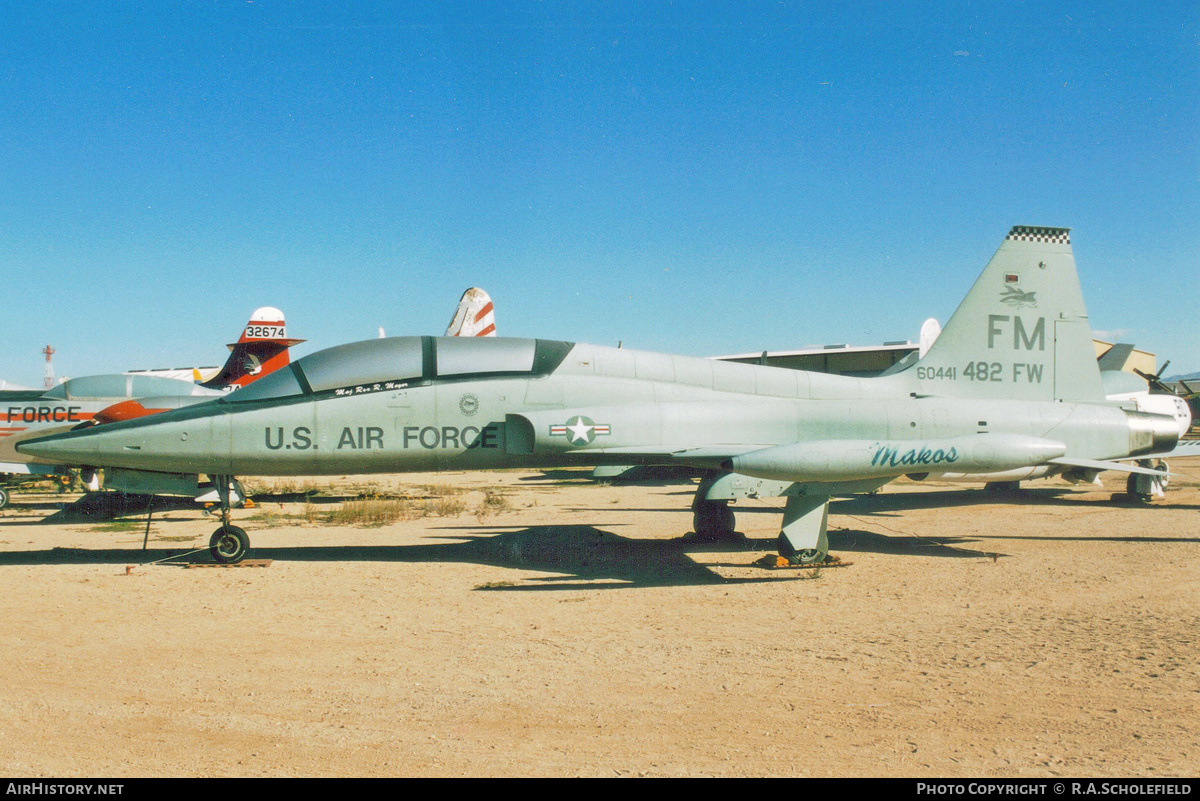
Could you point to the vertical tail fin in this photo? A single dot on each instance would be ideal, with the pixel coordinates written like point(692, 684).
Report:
point(474, 316)
point(260, 350)
point(1022, 332)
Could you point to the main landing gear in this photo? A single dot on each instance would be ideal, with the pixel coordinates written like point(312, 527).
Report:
point(229, 544)
point(713, 521)
point(803, 538)
point(1144, 488)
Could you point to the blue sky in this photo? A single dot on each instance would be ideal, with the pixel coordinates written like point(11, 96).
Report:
point(698, 178)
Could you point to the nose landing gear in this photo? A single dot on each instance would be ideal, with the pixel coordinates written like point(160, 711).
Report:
point(229, 544)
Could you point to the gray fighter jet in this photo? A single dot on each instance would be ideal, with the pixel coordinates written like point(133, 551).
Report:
point(1004, 388)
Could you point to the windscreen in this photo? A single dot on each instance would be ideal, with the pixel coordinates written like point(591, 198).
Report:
point(280, 384)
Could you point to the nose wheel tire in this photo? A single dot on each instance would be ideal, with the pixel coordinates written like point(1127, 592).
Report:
point(229, 545)
point(3, 498)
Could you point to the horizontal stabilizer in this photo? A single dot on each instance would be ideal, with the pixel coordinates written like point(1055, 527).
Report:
point(1115, 357)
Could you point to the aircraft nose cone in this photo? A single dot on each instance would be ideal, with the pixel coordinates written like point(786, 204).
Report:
point(101, 446)
point(68, 448)
point(170, 442)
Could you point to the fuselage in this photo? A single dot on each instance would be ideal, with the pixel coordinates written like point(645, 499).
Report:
point(424, 403)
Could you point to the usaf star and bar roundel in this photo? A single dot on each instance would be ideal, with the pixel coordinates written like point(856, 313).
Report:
point(579, 430)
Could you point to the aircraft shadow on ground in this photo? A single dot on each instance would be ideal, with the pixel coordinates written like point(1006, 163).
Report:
point(98, 507)
point(777, 511)
point(856, 541)
point(307, 497)
point(39, 505)
point(587, 555)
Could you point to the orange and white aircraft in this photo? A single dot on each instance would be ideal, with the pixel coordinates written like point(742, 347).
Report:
point(261, 349)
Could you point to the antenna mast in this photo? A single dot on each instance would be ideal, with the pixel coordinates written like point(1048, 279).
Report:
point(49, 382)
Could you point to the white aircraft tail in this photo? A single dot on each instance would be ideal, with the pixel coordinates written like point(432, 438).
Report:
point(474, 316)
point(930, 330)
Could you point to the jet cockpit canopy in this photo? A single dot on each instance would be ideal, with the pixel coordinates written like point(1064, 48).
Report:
point(383, 363)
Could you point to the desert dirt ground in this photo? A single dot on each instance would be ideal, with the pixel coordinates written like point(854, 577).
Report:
point(524, 623)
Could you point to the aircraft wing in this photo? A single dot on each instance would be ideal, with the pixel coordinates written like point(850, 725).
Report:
point(706, 457)
point(1120, 467)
